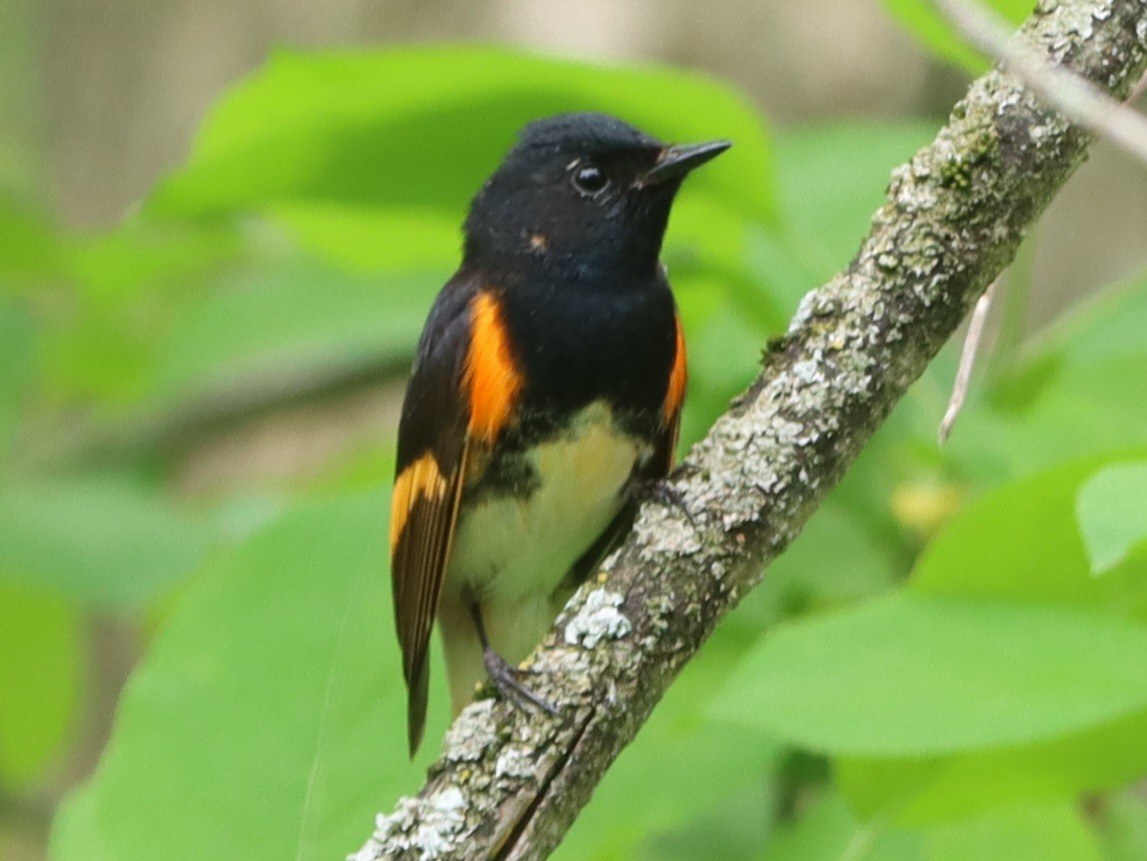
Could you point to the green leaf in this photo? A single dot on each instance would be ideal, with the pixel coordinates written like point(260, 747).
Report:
point(1112, 512)
point(711, 762)
point(921, 19)
point(903, 675)
point(18, 367)
point(99, 540)
point(1081, 409)
point(1104, 328)
point(331, 119)
point(1054, 833)
point(268, 721)
point(1067, 399)
point(832, 179)
point(724, 353)
point(142, 262)
point(371, 158)
point(364, 238)
point(30, 247)
point(272, 329)
point(122, 291)
point(39, 681)
point(829, 831)
point(1020, 542)
point(943, 789)
point(1123, 826)
point(732, 827)
point(832, 562)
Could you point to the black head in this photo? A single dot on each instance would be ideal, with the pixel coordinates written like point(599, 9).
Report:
point(582, 194)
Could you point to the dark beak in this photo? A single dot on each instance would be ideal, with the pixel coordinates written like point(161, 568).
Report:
point(676, 161)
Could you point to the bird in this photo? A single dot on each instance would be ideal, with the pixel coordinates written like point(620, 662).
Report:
point(545, 393)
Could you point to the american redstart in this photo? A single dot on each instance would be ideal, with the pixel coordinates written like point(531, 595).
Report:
point(546, 390)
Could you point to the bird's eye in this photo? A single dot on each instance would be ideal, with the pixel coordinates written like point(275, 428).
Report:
point(589, 180)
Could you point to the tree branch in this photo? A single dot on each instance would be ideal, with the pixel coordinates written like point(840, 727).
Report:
point(1078, 99)
point(508, 785)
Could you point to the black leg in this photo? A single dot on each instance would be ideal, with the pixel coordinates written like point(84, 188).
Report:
point(506, 678)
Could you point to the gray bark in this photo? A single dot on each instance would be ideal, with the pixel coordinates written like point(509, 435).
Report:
point(508, 784)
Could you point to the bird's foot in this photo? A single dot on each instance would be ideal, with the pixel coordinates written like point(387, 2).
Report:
point(508, 681)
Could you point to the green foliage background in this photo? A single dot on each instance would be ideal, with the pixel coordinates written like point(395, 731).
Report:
point(946, 664)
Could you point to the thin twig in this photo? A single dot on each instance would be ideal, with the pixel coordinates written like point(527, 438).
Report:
point(1078, 99)
point(967, 361)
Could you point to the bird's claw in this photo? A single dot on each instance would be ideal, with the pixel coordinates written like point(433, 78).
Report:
point(507, 680)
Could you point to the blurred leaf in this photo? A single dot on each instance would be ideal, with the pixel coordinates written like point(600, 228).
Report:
point(269, 719)
point(709, 254)
point(1054, 833)
point(1123, 826)
point(18, 367)
point(902, 675)
point(1021, 543)
point(30, 247)
point(361, 238)
point(122, 291)
point(1066, 399)
point(1018, 543)
point(39, 681)
point(345, 129)
point(101, 541)
point(97, 357)
point(942, 789)
point(115, 269)
point(275, 328)
point(724, 352)
point(1112, 512)
point(238, 516)
point(367, 157)
point(833, 179)
point(829, 831)
point(1105, 327)
point(733, 826)
point(833, 561)
point(711, 763)
point(789, 265)
point(932, 30)
point(1083, 408)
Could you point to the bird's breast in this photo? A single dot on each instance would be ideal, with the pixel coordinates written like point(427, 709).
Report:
point(613, 340)
point(536, 509)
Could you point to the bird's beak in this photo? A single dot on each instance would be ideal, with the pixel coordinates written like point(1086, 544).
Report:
point(676, 161)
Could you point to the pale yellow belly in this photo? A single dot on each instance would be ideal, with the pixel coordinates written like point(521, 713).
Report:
point(513, 553)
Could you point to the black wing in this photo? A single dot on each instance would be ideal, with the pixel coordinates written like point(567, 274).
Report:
point(430, 469)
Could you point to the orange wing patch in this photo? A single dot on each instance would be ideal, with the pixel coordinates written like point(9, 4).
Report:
point(421, 479)
point(675, 396)
point(491, 378)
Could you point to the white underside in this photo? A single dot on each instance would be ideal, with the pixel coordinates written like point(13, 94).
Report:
point(514, 553)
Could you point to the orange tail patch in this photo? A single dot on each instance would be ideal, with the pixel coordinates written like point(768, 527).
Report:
point(491, 378)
